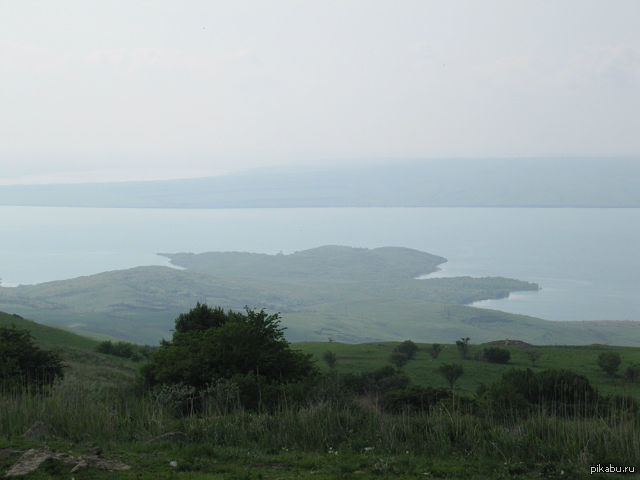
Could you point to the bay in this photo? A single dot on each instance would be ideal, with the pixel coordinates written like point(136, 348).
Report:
point(585, 260)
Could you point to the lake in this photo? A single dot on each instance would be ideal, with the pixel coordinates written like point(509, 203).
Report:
point(586, 261)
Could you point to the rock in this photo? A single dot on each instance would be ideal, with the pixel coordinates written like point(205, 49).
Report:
point(33, 458)
point(37, 431)
point(28, 462)
point(170, 437)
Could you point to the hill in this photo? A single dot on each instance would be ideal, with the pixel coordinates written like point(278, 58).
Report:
point(532, 182)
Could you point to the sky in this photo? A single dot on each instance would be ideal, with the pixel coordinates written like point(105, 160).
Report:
point(128, 90)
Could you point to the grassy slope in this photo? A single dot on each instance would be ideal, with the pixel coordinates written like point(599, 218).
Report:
point(78, 353)
point(253, 447)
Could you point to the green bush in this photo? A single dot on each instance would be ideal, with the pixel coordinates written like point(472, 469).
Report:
point(23, 363)
point(408, 348)
point(496, 355)
point(609, 362)
point(248, 348)
point(561, 392)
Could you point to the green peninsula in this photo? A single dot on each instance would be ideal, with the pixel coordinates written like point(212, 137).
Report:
point(343, 293)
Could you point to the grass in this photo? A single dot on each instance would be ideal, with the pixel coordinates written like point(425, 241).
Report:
point(423, 369)
point(97, 404)
point(315, 441)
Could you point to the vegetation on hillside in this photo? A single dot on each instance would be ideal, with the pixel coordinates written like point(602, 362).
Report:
point(361, 418)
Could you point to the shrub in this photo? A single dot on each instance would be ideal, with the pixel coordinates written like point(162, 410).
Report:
point(451, 372)
point(463, 347)
point(561, 392)
point(399, 359)
point(408, 348)
point(632, 373)
point(496, 355)
point(330, 359)
point(248, 348)
point(435, 350)
point(22, 363)
point(609, 362)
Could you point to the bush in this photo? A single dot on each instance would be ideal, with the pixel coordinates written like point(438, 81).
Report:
point(609, 362)
point(435, 350)
point(463, 347)
point(22, 363)
point(412, 397)
point(496, 355)
point(561, 392)
point(408, 348)
point(248, 348)
point(632, 373)
point(376, 382)
point(399, 359)
point(451, 372)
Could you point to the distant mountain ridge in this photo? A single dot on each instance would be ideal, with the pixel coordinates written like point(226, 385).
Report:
point(546, 182)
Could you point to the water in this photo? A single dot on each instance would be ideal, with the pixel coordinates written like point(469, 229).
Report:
point(586, 260)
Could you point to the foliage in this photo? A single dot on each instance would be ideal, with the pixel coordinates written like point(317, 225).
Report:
point(376, 381)
point(399, 359)
point(435, 350)
point(125, 350)
point(632, 373)
point(330, 359)
point(557, 391)
point(451, 372)
point(609, 362)
point(23, 363)
point(463, 347)
point(533, 354)
point(408, 348)
point(210, 344)
point(496, 355)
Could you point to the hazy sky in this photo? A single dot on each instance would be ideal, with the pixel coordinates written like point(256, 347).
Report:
point(151, 89)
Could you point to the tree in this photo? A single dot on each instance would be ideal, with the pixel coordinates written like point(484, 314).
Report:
point(533, 354)
point(23, 363)
point(330, 359)
point(435, 350)
point(632, 373)
point(408, 348)
point(463, 347)
point(496, 355)
point(209, 344)
point(451, 372)
point(609, 362)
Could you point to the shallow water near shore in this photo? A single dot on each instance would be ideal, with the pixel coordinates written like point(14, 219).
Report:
point(586, 261)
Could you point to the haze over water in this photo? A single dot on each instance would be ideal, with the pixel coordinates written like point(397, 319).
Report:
point(585, 260)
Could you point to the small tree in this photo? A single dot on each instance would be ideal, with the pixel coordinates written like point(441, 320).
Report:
point(330, 359)
point(463, 347)
point(435, 350)
point(408, 348)
point(451, 372)
point(609, 362)
point(533, 354)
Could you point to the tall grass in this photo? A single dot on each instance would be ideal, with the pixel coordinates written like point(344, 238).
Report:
point(79, 413)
